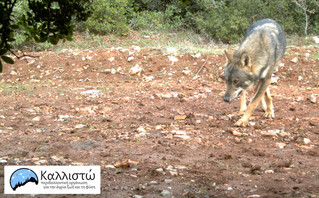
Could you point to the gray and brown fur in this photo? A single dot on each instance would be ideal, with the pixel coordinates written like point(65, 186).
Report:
point(252, 64)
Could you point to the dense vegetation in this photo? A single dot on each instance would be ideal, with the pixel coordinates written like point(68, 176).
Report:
point(218, 20)
point(221, 20)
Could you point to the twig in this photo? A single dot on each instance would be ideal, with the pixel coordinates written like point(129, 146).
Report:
point(24, 55)
point(201, 68)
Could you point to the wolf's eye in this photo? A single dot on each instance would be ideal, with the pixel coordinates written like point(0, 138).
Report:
point(235, 81)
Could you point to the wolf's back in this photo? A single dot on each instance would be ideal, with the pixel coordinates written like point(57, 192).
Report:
point(271, 29)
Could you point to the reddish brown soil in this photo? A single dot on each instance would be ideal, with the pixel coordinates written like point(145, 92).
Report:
point(171, 133)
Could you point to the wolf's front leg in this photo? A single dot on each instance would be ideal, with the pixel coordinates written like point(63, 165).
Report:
point(262, 88)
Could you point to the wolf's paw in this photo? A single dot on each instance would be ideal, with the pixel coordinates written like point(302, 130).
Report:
point(269, 114)
point(242, 122)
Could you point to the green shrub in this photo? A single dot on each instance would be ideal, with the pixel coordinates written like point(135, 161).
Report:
point(108, 16)
point(168, 19)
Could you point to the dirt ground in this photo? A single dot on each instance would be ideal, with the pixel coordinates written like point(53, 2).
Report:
point(156, 128)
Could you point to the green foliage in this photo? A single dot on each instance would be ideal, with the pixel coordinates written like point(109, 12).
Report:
point(43, 20)
point(159, 18)
point(227, 20)
point(108, 16)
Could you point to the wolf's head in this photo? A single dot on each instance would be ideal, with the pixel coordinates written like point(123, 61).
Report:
point(238, 76)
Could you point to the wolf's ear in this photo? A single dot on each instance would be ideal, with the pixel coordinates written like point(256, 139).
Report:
point(228, 57)
point(244, 60)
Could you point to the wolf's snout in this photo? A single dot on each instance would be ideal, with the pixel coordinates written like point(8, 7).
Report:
point(226, 99)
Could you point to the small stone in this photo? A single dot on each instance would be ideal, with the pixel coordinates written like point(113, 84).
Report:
point(148, 78)
point(13, 73)
point(164, 193)
point(171, 50)
point(168, 181)
point(283, 134)
point(2, 161)
point(280, 145)
point(300, 78)
point(237, 140)
point(253, 196)
point(129, 59)
point(153, 183)
point(269, 171)
point(160, 170)
point(313, 99)
point(141, 130)
point(79, 126)
point(270, 133)
point(172, 59)
point(137, 196)
point(306, 141)
point(180, 117)
point(111, 59)
point(136, 70)
point(110, 166)
point(315, 39)
point(186, 71)
point(36, 119)
point(236, 133)
point(294, 60)
point(173, 173)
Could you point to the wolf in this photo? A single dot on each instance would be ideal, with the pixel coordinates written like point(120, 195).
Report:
point(252, 64)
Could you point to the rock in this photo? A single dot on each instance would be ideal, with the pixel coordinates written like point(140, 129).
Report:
point(136, 70)
point(136, 48)
point(180, 167)
point(313, 99)
point(2, 161)
point(172, 59)
point(137, 196)
point(62, 118)
point(236, 133)
point(229, 188)
point(300, 78)
point(125, 164)
point(274, 80)
point(164, 193)
point(306, 141)
point(160, 170)
point(181, 135)
point(283, 134)
point(269, 171)
point(153, 183)
point(141, 130)
point(270, 133)
point(92, 93)
point(197, 55)
point(187, 71)
point(110, 166)
point(111, 59)
point(315, 39)
point(294, 60)
point(79, 126)
point(13, 73)
point(180, 117)
point(129, 59)
point(36, 119)
point(148, 78)
point(253, 196)
point(168, 181)
point(280, 145)
point(171, 50)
